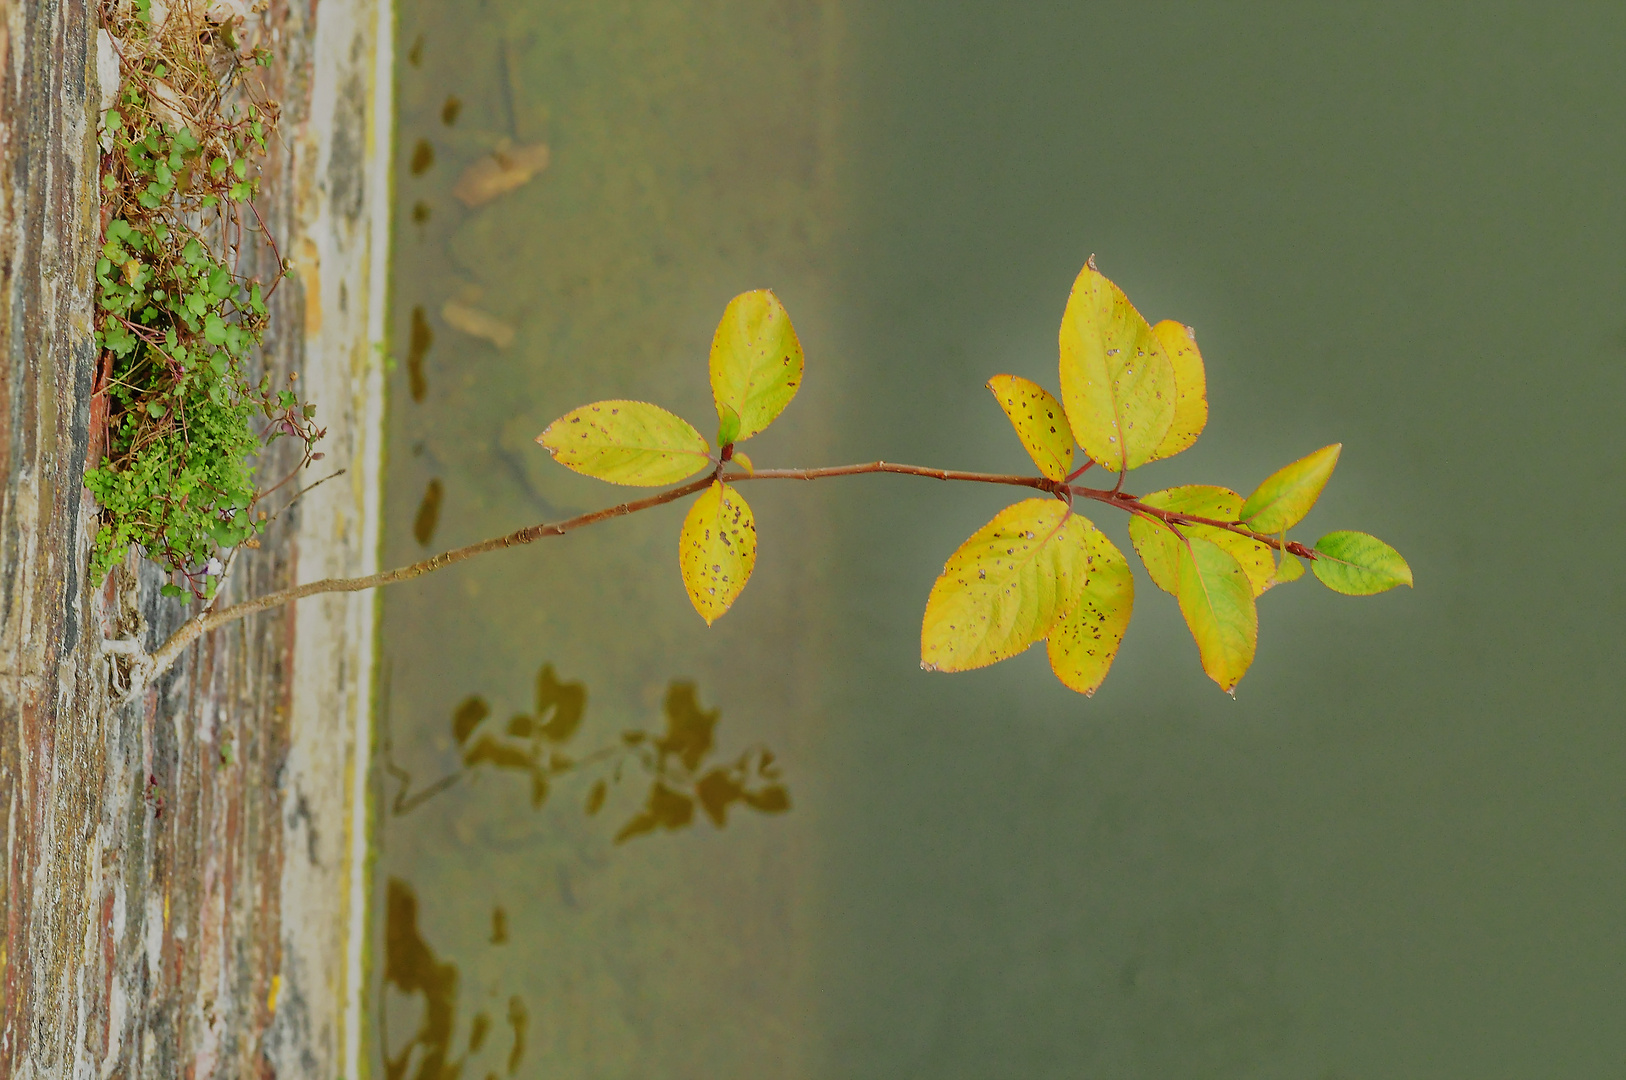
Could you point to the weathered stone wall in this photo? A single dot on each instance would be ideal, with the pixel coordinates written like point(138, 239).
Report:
point(180, 880)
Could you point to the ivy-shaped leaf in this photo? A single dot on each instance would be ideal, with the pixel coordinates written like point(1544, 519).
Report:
point(1287, 495)
point(717, 549)
point(756, 363)
point(1084, 641)
point(1004, 587)
point(1357, 564)
point(1160, 549)
point(1039, 421)
point(1116, 382)
point(1217, 602)
point(1190, 387)
point(627, 442)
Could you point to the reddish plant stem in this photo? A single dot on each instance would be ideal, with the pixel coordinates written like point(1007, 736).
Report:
point(210, 618)
point(1173, 517)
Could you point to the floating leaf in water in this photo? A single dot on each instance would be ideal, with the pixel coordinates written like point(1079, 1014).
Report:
point(500, 172)
point(477, 323)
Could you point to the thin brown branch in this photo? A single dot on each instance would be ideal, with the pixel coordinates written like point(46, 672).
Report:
point(194, 628)
point(210, 619)
point(1040, 482)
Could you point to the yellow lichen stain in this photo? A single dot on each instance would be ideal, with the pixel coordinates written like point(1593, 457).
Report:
point(276, 992)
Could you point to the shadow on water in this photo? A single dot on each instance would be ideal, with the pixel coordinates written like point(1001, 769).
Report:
point(411, 967)
point(679, 761)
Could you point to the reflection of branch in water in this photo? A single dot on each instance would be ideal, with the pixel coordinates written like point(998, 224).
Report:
point(412, 968)
point(675, 759)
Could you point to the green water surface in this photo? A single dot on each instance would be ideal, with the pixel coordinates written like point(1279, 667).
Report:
point(1399, 852)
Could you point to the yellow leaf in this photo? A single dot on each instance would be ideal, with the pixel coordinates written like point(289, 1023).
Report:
point(1084, 641)
point(1002, 590)
point(1281, 501)
point(1217, 602)
point(756, 361)
point(1039, 422)
point(1116, 382)
point(627, 442)
point(717, 549)
point(1190, 387)
point(1159, 548)
point(745, 462)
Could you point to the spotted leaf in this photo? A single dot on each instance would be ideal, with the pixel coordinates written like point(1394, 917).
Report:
point(1039, 421)
point(717, 549)
point(627, 442)
point(1117, 383)
point(1085, 639)
point(1004, 587)
point(756, 363)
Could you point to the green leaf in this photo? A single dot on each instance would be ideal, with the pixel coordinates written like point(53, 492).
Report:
point(1161, 550)
point(1040, 423)
point(1084, 641)
point(728, 428)
point(1281, 501)
point(1290, 569)
point(627, 442)
point(756, 361)
point(1004, 587)
point(1357, 564)
point(1190, 388)
point(717, 549)
point(1116, 382)
point(1217, 603)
